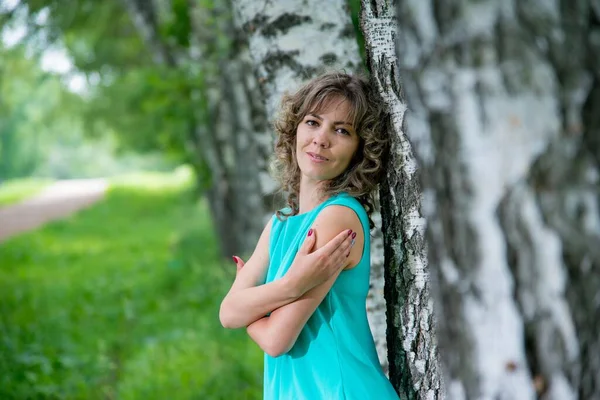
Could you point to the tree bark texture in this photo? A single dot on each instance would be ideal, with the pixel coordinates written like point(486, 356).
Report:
point(414, 367)
point(503, 112)
point(237, 117)
point(293, 41)
point(226, 117)
point(290, 43)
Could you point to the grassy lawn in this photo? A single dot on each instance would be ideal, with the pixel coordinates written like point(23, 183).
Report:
point(13, 191)
point(121, 302)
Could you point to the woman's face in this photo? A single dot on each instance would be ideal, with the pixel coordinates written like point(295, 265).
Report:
point(326, 141)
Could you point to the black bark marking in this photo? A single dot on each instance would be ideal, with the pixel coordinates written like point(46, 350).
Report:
point(255, 23)
point(283, 24)
point(278, 59)
point(479, 92)
point(328, 58)
point(591, 120)
point(328, 26)
point(275, 60)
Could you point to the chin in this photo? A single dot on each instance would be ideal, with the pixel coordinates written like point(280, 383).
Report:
point(314, 176)
point(317, 173)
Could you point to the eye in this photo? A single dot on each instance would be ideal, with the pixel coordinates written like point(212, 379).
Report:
point(311, 122)
point(343, 131)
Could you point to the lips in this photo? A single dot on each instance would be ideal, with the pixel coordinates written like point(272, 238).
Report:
point(317, 156)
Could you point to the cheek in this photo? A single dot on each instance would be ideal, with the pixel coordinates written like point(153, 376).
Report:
point(301, 138)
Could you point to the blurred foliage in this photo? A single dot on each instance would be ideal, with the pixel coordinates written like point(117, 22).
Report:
point(139, 105)
point(42, 128)
point(26, 96)
point(15, 190)
point(97, 307)
point(147, 106)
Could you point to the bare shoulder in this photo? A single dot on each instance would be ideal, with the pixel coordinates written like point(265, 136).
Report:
point(334, 219)
point(337, 216)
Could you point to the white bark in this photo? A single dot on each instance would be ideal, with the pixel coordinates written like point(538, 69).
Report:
point(414, 369)
point(376, 305)
point(291, 42)
point(497, 93)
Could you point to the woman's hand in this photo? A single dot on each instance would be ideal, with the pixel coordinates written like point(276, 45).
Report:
point(310, 269)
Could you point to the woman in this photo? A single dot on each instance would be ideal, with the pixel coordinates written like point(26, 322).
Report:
point(302, 293)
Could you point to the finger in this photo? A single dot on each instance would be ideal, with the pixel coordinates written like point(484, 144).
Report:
point(343, 252)
point(334, 244)
point(309, 242)
point(239, 263)
point(349, 244)
point(341, 258)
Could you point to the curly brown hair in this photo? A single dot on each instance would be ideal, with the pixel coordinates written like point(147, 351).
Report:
point(370, 120)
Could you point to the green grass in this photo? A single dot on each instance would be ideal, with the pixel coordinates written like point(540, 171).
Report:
point(13, 191)
point(121, 301)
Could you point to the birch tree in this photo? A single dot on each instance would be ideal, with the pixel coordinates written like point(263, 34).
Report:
point(226, 112)
point(503, 100)
point(291, 42)
point(414, 368)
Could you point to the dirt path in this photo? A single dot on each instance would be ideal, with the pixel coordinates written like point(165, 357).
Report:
point(59, 200)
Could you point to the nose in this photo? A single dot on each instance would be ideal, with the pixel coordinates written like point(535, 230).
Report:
point(321, 138)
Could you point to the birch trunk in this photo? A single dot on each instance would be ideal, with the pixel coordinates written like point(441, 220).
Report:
point(223, 121)
point(414, 367)
point(237, 205)
point(292, 42)
point(504, 99)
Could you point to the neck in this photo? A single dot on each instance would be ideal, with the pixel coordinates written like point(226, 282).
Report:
point(311, 194)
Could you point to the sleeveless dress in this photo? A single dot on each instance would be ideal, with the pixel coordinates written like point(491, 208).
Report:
point(334, 356)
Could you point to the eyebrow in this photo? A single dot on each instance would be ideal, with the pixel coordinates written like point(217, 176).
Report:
point(334, 122)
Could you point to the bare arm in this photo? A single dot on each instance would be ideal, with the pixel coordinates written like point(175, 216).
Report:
point(248, 300)
point(277, 333)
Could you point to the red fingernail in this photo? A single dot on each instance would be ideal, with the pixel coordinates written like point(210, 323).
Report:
point(310, 232)
point(234, 259)
point(349, 232)
point(353, 235)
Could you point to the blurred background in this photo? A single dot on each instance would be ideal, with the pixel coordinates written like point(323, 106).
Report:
point(115, 133)
point(135, 140)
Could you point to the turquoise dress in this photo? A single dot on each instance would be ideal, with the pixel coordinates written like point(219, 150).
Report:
point(334, 356)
